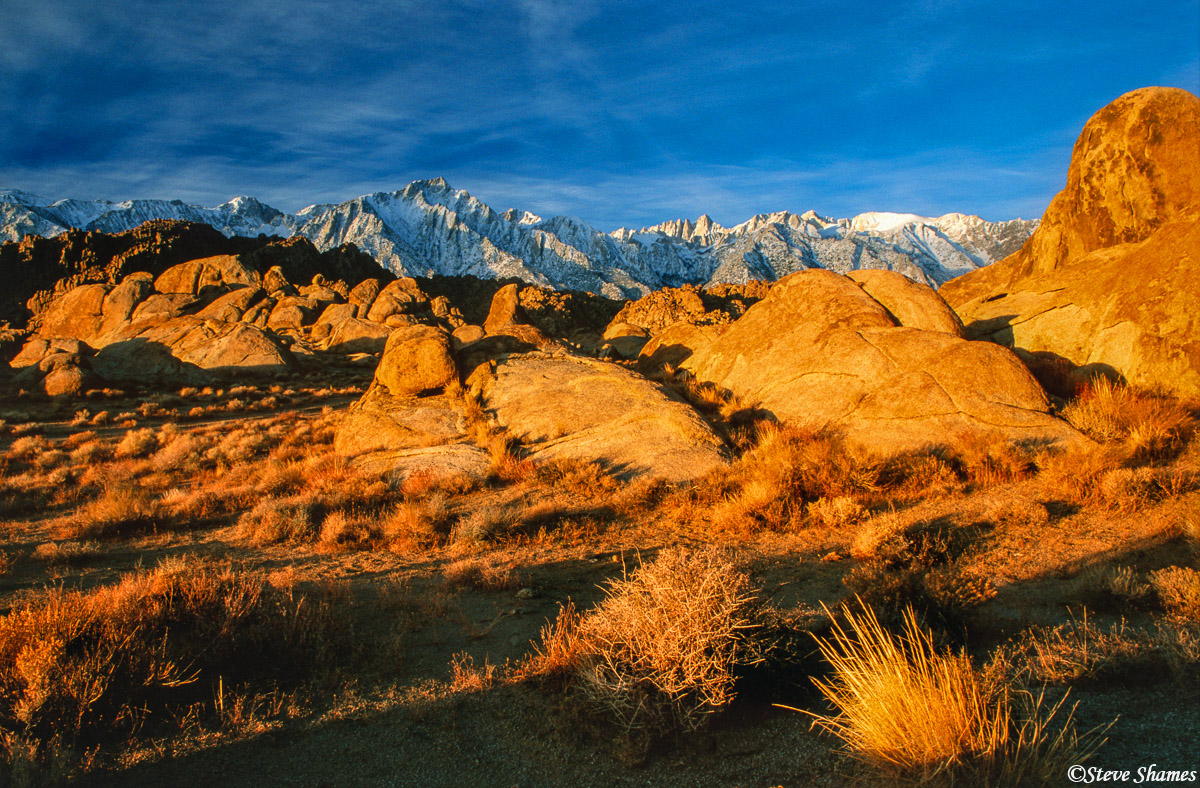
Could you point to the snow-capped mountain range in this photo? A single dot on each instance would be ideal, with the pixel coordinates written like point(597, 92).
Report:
point(431, 228)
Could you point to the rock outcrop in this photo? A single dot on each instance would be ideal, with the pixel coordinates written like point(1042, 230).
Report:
point(819, 350)
point(568, 407)
point(1110, 281)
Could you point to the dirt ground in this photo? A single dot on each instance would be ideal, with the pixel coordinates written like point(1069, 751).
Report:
point(398, 716)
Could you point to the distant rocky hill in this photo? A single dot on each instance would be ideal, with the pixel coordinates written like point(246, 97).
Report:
point(429, 228)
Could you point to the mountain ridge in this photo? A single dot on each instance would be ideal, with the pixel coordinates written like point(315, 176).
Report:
point(430, 228)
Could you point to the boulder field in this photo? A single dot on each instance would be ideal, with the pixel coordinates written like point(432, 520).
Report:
point(557, 404)
point(212, 318)
point(1110, 281)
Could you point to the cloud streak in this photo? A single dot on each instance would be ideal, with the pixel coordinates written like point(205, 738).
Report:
point(617, 112)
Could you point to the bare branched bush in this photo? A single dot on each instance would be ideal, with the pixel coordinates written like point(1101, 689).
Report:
point(661, 653)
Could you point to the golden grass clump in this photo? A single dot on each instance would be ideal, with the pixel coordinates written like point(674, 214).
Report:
point(926, 717)
point(660, 654)
point(123, 509)
point(138, 443)
point(789, 468)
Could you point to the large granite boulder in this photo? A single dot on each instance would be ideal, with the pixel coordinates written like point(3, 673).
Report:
point(820, 351)
point(77, 313)
point(912, 304)
point(416, 359)
point(561, 406)
point(194, 276)
point(1110, 280)
point(189, 350)
point(399, 297)
point(505, 310)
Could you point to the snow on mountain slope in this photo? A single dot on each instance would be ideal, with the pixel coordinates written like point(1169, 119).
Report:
point(431, 228)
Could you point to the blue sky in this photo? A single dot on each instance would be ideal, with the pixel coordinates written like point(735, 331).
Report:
point(621, 113)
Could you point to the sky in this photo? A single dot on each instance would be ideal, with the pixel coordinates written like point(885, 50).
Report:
point(620, 113)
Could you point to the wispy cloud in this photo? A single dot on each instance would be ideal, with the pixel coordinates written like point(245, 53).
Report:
point(616, 111)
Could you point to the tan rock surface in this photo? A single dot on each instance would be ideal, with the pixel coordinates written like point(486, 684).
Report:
point(505, 310)
point(194, 276)
point(416, 359)
point(562, 406)
point(399, 297)
point(357, 336)
point(1110, 279)
point(820, 351)
point(78, 313)
point(914, 305)
point(232, 305)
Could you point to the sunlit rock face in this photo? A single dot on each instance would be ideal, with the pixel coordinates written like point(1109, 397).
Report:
point(1111, 279)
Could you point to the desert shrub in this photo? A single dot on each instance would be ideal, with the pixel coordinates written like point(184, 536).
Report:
point(123, 509)
point(87, 667)
point(918, 474)
point(918, 568)
point(295, 519)
point(928, 717)
point(417, 525)
point(836, 512)
point(1178, 590)
point(484, 525)
point(577, 476)
point(1080, 651)
point(481, 574)
point(181, 453)
point(65, 553)
point(342, 530)
point(663, 651)
point(790, 468)
point(137, 443)
point(1152, 426)
point(992, 458)
point(1113, 588)
point(27, 447)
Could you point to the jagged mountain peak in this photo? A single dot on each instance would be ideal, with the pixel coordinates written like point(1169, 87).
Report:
point(430, 227)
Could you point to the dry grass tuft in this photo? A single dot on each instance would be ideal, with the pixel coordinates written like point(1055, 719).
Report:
point(482, 574)
point(926, 717)
point(1178, 590)
point(660, 654)
point(1152, 426)
point(1082, 651)
point(466, 676)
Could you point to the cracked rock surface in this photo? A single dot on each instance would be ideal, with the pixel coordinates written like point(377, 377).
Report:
point(820, 351)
